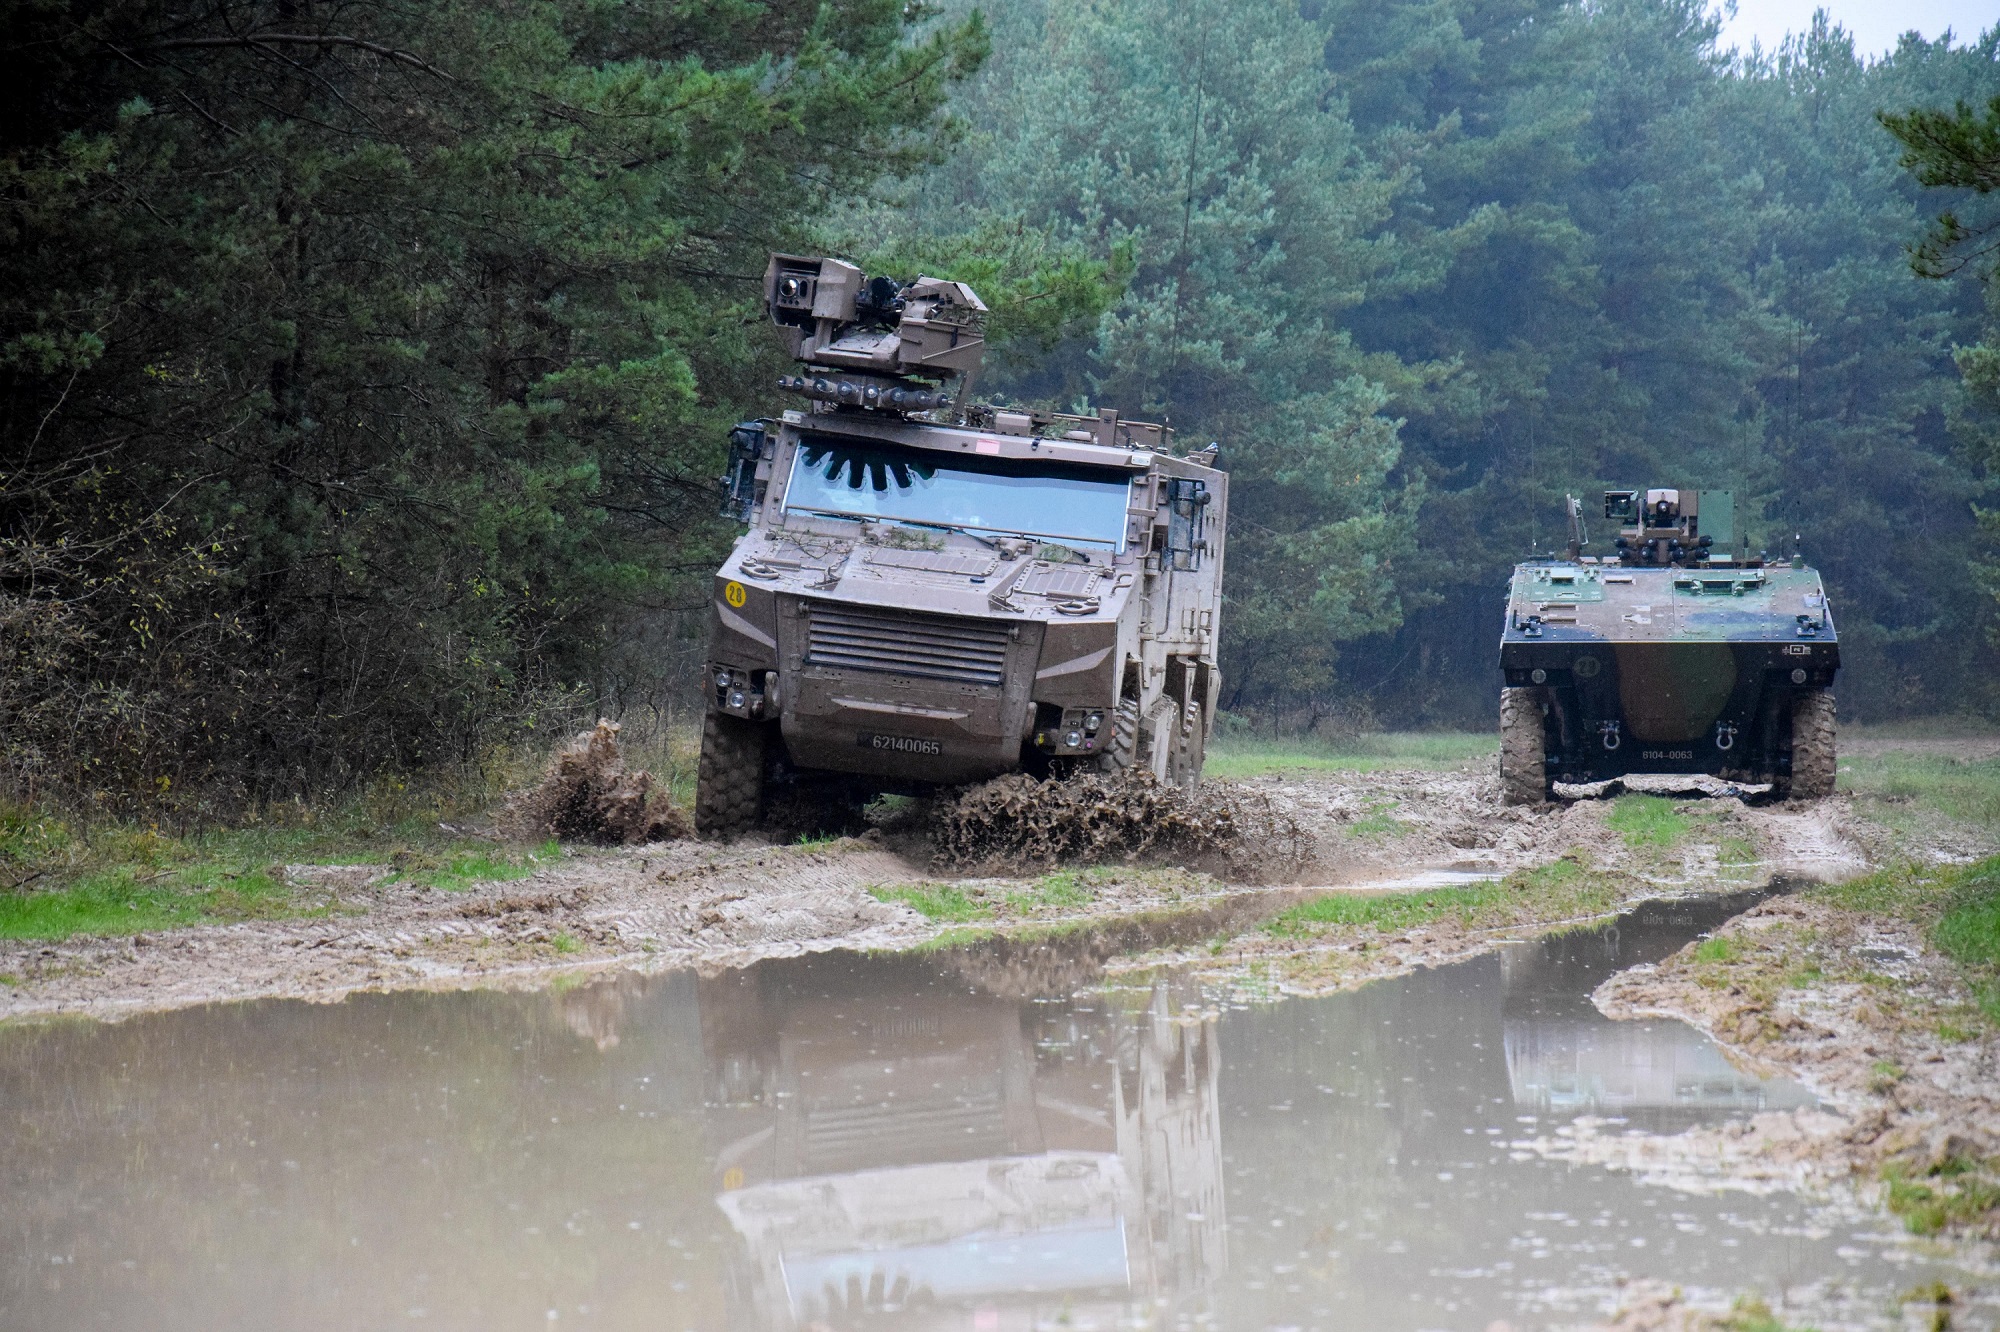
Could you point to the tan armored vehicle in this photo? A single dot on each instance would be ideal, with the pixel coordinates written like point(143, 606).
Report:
point(933, 591)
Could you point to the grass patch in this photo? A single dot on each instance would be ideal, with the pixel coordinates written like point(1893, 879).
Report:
point(1232, 758)
point(1734, 852)
point(458, 869)
point(565, 942)
point(1750, 1314)
point(1955, 1192)
point(1647, 821)
point(935, 901)
point(1962, 789)
point(60, 878)
point(1959, 906)
point(1718, 950)
point(131, 899)
point(1562, 890)
point(1065, 890)
point(1377, 821)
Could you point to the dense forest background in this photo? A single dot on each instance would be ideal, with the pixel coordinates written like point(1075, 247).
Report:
point(364, 367)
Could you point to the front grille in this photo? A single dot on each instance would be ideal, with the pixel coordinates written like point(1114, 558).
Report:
point(857, 639)
point(904, 1132)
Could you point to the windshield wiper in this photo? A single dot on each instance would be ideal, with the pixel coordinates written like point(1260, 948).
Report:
point(946, 527)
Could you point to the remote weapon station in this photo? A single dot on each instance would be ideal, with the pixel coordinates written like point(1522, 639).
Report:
point(1665, 657)
point(935, 591)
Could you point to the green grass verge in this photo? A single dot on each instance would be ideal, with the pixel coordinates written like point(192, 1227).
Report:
point(456, 869)
point(1958, 904)
point(1962, 789)
point(1564, 890)
point(945, 902)
point(1232, 758)
point(58, 879)
point(128, 900)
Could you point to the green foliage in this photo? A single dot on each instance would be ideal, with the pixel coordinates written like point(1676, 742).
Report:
point(1750, 1314)
point(1969, 932)
point(1064, 890)
point(111, 877)
point(1201, 153)
point(362, 368)
point(1958, 151)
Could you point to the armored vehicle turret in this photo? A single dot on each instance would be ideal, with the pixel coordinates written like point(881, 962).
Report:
point(1666, 656)
point(934, 590)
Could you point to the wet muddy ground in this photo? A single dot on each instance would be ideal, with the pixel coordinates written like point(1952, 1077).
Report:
point(1145, 1106)
point(986, 1136)
point(692, 903)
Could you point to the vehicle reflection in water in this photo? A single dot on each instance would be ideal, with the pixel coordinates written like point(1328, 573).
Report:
point(916, 1148)
point(969, 1139)
point(1566, 1058)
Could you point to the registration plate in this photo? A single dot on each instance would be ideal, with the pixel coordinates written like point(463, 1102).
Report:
point(900, 744)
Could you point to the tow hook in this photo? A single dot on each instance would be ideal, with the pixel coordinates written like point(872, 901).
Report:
point(1608, 733)
point(1725, 735)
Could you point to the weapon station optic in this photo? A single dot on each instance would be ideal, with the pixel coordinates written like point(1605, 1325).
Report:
point(875, 342)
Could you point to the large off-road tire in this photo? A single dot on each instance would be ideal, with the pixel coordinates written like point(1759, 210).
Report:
point(729, 792)
point(1524, 772)
point(1184, 766)
point(1812, 745)
point(1159, 738)
point(1123, 751)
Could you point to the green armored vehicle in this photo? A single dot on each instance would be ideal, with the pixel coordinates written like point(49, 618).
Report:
point(933, 591)
point(1666, 658)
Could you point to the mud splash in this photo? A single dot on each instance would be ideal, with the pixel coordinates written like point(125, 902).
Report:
point(1017, 822)
point(587, 794)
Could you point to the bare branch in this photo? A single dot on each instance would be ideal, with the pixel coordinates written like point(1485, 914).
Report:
point(298, 39)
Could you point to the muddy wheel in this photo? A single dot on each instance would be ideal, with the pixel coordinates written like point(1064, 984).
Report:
point(729, 792)
point(1184, 764)
point(1159, 739)
point(1812, 745)
point(1524, 773)
point(1123, 750)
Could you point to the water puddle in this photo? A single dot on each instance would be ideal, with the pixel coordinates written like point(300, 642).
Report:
point(914, 1141)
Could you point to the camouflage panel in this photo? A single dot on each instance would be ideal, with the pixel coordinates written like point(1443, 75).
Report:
point(1667, 669)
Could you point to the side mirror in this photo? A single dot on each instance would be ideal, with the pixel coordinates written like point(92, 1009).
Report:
point(1187, 519)
point(739, 479)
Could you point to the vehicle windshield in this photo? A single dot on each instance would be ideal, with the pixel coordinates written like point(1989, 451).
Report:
point(1064, 502)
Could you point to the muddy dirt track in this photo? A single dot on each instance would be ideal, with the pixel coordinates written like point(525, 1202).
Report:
point(691, 903)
